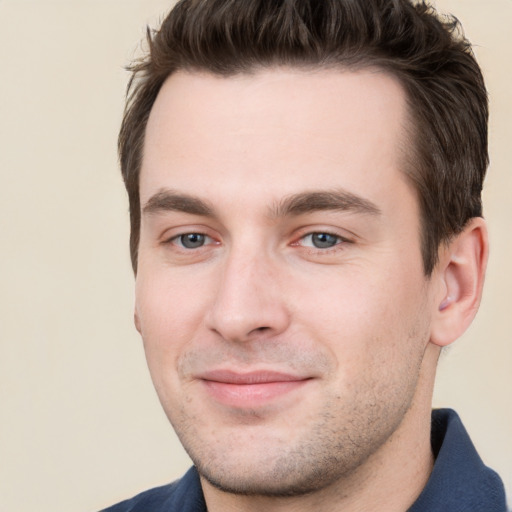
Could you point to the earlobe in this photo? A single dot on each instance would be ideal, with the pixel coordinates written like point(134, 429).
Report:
point(136, 319)
point(461, 270)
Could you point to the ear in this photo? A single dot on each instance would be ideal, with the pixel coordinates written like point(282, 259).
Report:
point(136, 319)
point(461, 271)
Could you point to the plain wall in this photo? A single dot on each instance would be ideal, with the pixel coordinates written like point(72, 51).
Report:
point(80, 424)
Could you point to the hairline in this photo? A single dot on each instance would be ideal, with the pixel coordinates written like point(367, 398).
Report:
point(407, 146)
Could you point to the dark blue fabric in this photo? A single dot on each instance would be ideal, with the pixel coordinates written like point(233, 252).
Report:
point(184, 495)
point(460, 482)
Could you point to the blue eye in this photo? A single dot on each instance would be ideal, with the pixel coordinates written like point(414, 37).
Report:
point(321, 240)
point(191, 240)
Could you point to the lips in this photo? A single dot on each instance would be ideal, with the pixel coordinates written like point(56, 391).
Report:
point(250, 389)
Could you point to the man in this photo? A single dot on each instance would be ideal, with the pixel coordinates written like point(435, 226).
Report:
point(304, 181)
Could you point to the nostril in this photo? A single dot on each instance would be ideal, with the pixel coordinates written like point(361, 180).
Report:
point(260, 330)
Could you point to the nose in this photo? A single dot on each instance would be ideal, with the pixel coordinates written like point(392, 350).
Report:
point(249, 302)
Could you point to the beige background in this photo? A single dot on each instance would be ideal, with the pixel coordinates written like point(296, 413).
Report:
point(80, 425)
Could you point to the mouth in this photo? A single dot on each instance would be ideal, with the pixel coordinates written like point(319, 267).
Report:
point(252, 389)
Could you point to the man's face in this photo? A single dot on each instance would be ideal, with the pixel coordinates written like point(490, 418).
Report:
point(280, 290)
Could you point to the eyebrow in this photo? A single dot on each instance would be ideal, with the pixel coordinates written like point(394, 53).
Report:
point(308, 202)
point(167, 200)
point(170, 201)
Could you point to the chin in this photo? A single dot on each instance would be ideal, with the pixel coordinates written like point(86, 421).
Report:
point(283, 480)
point(275, 468)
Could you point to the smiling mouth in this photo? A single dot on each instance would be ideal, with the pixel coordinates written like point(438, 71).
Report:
point(242, 390)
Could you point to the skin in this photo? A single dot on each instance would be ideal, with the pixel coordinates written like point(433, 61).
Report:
point(280, 237)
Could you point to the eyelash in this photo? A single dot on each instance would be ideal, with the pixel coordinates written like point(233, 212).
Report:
point(340, 241)
point(338, 245)
point(176, 240)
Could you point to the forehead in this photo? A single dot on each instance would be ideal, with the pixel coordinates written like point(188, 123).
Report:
point(286, 127)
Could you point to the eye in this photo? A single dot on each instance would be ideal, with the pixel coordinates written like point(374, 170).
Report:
point(321, 240)
point(191, 240)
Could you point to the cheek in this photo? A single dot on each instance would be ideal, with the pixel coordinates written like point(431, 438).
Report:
point(170, 312)
point(364, 319)
point(167, 303)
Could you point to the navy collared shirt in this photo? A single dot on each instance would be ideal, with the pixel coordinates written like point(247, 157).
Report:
point(460, 482)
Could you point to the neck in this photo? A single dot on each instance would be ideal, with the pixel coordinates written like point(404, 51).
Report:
point(391, 479)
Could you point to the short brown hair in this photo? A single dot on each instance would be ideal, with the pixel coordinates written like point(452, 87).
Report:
point(428, 54)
